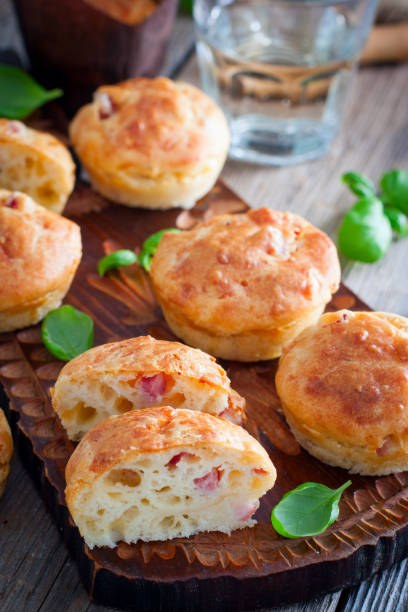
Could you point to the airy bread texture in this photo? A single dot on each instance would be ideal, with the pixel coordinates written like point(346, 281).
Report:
point(152, 143)
point(242, 286)
point(160, 473)
point(138, 373)
point(39, 254)
point(344, 388)
point(6, 451)
point(35, 163)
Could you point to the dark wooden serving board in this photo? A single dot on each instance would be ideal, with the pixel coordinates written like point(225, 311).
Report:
point(251, 569)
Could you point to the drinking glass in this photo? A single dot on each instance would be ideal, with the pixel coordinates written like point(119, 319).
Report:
point(281, 71)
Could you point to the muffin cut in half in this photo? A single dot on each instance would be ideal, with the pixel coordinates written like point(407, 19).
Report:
point(160, 473)
point(242, 286)
point(35, 163)
point(138, 373)
point(153, 143)
point(39, 254)
point(344, 388)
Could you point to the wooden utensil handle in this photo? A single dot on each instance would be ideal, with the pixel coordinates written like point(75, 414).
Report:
point(387, 43)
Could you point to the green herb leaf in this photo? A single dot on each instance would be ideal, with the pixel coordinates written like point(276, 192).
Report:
point(394, 185)
point(399, 221)
point(359, 184)
point(150, 245)
point(307, 510)
point(365, 232)
point(123, 257)
point(67, 332)
point(20, 94)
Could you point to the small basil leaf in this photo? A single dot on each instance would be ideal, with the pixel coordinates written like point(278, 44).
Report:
point(67, 332)
point(359, 184)
point(365, 232)
point(307, 510)
point(20, 94)
point(394, 185)
point(150, 245)
point(123, 257)
point(399, 221)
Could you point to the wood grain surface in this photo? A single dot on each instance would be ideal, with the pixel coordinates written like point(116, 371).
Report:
point(35, 570)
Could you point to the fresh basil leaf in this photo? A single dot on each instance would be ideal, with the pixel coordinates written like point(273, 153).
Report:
point(399, 221)
point(359, 184)
point(150, 245)
point(123, 257)
point(67, 332)
point(394, 185)
point(365, 232)
point(307, 510)
point(20, 95)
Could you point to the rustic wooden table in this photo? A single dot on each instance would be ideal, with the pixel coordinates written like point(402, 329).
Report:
point(35, 570)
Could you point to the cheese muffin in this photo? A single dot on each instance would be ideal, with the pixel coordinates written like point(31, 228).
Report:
point(35, 163)
point(160, 473)
point(242, 286)
point(39, 254)
point(344, 388)
point(137, 373)
point(6, 451)
point(153, 143)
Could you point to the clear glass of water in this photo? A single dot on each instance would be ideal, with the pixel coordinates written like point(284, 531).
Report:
point(281, 71)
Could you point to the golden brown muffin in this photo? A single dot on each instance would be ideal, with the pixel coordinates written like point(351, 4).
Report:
point(242, 286)
point(39, 254)
point(159, 473)
point(151, 142)
point(126, 11)
point(35, 163)
point(137, 373)
point(344, 387)
point(6, 451)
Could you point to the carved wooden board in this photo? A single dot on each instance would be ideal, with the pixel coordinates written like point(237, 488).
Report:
point(251, 569)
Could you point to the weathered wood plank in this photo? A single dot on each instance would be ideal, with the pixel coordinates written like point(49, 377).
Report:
point(386, 592)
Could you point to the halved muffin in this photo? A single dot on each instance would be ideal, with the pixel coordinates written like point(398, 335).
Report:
point(138, 373)
point(35, 163)
point(159, 473)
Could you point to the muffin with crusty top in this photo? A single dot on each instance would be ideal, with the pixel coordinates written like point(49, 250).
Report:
point(343, 384)
point(39, 254)
point(152, 143)
point(242, 286)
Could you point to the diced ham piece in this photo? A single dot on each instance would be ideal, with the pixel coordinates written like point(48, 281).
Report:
point(259, 471)
point(12, 202)
point(245, 511)
point(15, 127)
point(106, 106)
point(208, 482)
point(174, 460)
point(153, 387)
point(387, 447)
point(229, 415)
